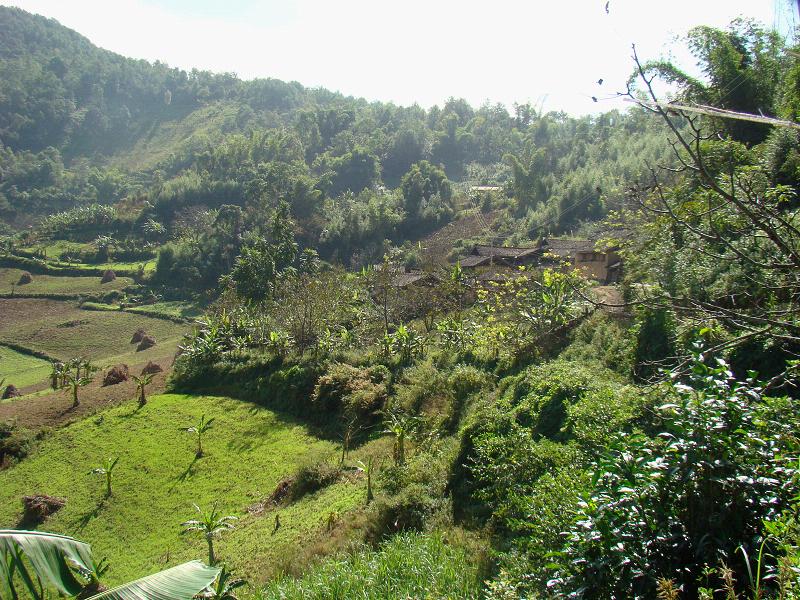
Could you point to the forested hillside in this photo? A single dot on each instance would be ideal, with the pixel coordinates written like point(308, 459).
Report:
point(81, 125)
point(457, 352)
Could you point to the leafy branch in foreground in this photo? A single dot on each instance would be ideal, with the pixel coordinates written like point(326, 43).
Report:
point(46, 561)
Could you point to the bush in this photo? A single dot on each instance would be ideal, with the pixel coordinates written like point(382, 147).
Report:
point(15, 443)
point(312, 478)
point(357, 391)
point(409, 565)
point(669, 506)
point(405, 511)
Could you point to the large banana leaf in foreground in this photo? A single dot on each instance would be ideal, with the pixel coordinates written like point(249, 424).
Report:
point(49, 555)
point(178, 583)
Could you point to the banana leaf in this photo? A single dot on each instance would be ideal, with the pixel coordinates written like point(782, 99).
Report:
point(178, 583)
point(50, 556)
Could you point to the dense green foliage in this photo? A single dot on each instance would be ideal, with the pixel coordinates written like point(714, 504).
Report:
point(408, 566)
point(595, 450)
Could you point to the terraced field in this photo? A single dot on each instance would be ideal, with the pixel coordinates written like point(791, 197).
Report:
point(61, 330)
point(158, 478)
point(21, 369)
point(51, 284)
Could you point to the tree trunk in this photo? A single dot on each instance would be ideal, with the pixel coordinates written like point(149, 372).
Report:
point(211, 558)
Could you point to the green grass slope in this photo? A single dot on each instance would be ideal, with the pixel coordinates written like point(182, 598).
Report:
point(21, 369)
point(62, 330)
point(50, 284)
point(248, 450)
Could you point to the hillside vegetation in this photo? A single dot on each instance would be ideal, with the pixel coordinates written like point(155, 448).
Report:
point(449, 353)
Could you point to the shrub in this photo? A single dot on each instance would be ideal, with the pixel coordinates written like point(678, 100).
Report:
point(409, 565)
point(405, 511)
point(15, 443)
point(605, 339)
point(424, 388)
point(312, 478)
point(667, 507)
point(357, 391)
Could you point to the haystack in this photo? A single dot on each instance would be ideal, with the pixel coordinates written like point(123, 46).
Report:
point(11, 391)
point(38, 507)
point(25, 278)
point(148, 341)
point(138, 335)
point(109, 275)
point(151, 368)
point(116, 375)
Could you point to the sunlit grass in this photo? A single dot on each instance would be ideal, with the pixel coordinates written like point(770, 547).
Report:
point(247, 451)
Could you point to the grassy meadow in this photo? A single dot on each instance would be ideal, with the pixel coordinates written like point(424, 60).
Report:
point(157, 480)
point(22, 369)
point(62, 330)
point(52, 284)
point(181, 309)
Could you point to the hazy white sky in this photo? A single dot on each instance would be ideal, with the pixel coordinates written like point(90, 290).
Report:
point(551, 52)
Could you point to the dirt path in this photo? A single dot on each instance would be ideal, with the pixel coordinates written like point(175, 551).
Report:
point(54, 409)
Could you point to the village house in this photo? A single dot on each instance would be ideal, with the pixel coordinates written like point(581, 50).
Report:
point(602, 266)
point(485, 256)
point(496, 263)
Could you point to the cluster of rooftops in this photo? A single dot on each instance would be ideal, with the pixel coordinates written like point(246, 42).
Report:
point(496, 263)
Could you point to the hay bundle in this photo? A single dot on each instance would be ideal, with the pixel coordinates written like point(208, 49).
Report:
point(116, 375)
point(38, 507)
point(151, 368)
point(11, 391)
point(109, 275)
point(148, 341)
point(138, 335)
point(25, 278)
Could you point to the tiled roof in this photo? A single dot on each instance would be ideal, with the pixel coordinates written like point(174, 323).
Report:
point(565, 247)
point(474, 261)
point(500, 252)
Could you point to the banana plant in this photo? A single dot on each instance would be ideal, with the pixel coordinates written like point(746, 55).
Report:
point(141, 383)
point(74, 383)
point(106, 469)
point(202, 426)
point(223, 588)
point(211, 525)
point(33, 562)
point(367, 468)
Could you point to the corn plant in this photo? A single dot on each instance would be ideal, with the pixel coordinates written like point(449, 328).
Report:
point(107, 469)
point(211, 525)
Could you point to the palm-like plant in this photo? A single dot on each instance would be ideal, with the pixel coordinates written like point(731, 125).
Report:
point(141, 383)
point(211, 525)
point(57, 373)
point(74, 383)
point(202, 426)
point(367, 469)
point(107, 469)
point(400, 425)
